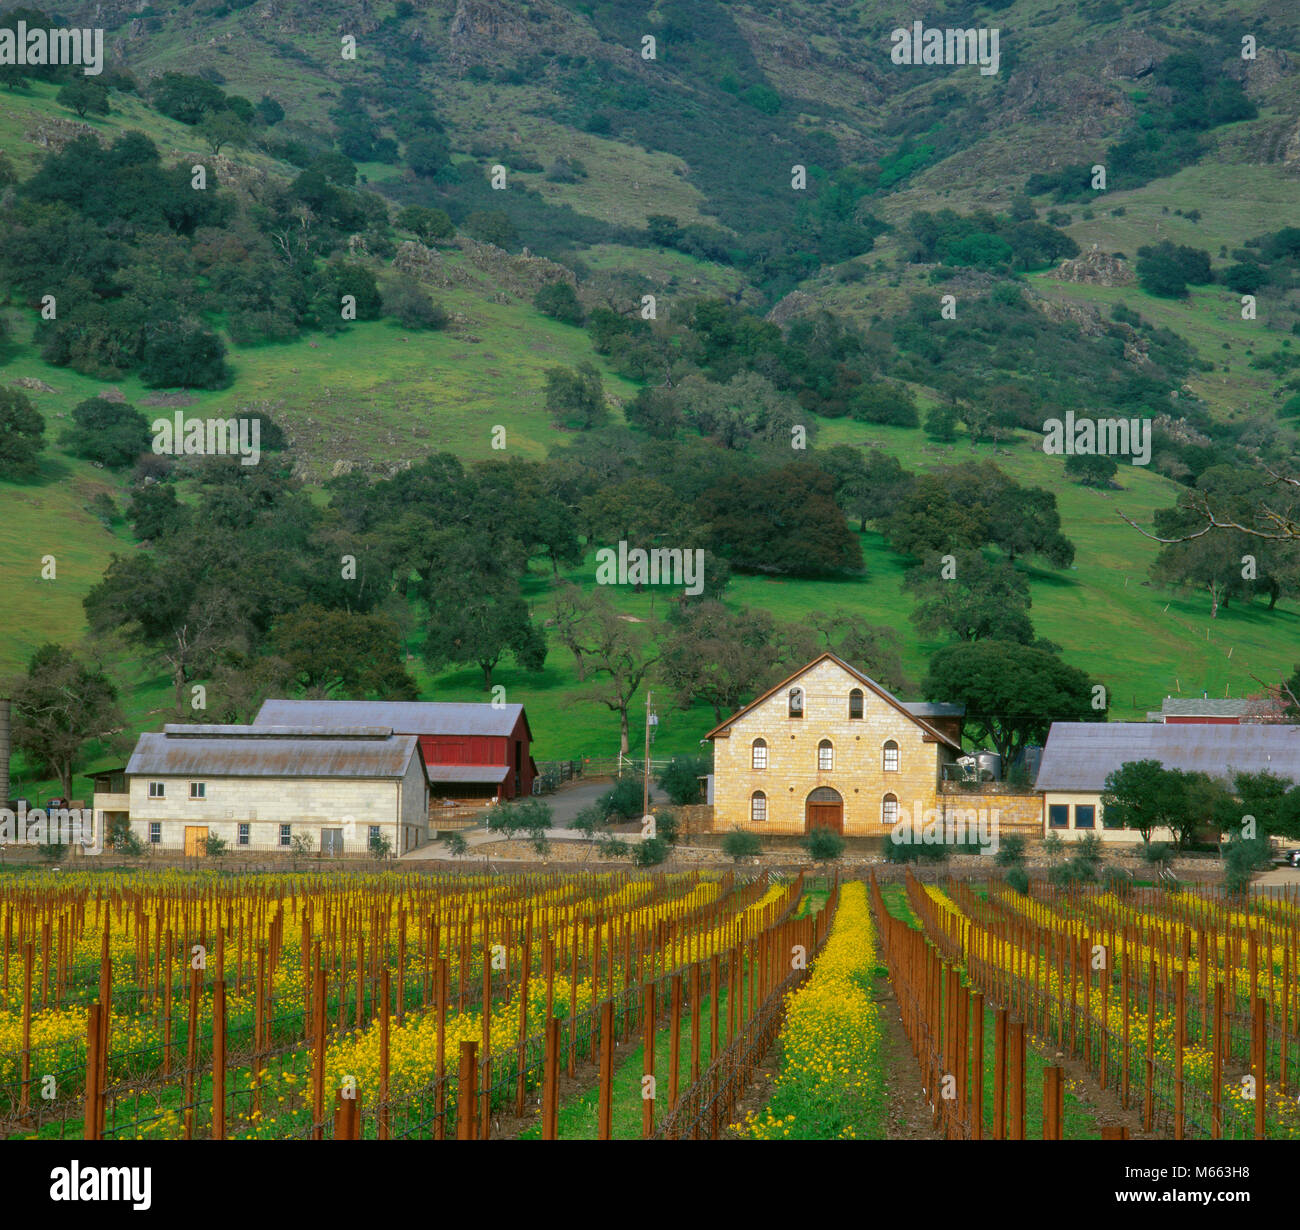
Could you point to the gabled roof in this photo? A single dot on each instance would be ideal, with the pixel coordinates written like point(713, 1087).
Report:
point(1080, 755)
point(1200, 706)
point(251, 751)
point(935, 735)
point(408, 717)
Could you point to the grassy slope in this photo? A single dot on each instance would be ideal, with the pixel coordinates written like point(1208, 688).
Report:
point(376, 393)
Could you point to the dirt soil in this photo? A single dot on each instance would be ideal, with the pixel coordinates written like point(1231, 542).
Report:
point(909, 1116)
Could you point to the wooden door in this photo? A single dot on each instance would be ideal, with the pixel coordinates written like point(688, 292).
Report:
point(196, 840)
point(825, 816)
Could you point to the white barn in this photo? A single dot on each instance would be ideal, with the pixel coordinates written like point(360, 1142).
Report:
point(1079, 756)
point(259, 787)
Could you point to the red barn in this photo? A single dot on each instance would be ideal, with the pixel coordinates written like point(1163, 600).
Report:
point(1205, 711)
point(472, 751)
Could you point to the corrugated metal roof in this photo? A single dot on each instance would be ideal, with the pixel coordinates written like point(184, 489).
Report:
point(275, 732)
point(1225, 706)
point(933, 708)
point(1080, 755)
point(467, 772)
point(244, 752)
point(410, 717)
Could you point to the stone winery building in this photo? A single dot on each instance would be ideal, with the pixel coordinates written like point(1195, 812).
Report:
point(829, 747)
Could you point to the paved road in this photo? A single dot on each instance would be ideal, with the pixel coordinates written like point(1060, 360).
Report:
point(568, 801)
point(565, 804)
point(1278, 876)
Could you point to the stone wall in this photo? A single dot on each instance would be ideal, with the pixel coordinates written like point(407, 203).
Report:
point(1017, 811)
point(695, 819)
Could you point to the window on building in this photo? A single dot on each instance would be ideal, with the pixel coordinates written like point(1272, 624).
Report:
point(157, 790)
point(1085, 816)
point(891, 756)
point(198, 790)
point(758, 806)
point(286, 834)
point(855, 703)
point(243, 834)
point(889, 809)
point(1058, 815)
point(1108, 823)
point(796, 702)
point(374, 836)
point(155, 832)
point(759, 754)
point(825, 755)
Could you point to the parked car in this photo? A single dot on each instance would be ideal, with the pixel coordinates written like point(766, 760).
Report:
point(1289, 858)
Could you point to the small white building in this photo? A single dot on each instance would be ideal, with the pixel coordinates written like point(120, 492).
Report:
point(260, 787)
point(1079, 756)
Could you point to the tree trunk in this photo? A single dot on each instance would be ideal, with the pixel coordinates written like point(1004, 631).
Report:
point(487, 675)
point(625, 744)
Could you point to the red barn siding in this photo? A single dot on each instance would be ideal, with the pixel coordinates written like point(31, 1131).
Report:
point(1202, 721)
point(511, 751)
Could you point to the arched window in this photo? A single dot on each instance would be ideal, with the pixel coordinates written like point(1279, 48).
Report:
point(758, 807)
point(855, 703)
point(796, 702)
point(891, 756)
point(889, 809)
point(825, 755)
point(759, 760)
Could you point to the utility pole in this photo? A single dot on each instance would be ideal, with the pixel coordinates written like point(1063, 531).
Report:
point(645, 796)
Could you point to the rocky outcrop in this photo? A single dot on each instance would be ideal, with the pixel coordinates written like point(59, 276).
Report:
point(429, 265)
point(55, 133)
point(491, 30)
point(1091, 323)
point(1129, 57)
point(1095, 268)
point(523, 275)
point(791, 307)
point(1270, 68)
point(1179, 430)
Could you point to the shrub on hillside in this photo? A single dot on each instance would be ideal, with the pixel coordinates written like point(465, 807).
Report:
point(560, 301)
point(406, 301)
point(113, 433)
point(22, 432)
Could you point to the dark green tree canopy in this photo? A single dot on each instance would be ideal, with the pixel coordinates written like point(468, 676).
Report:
point(1012, 693)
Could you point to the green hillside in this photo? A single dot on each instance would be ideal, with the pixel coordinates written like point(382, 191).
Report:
point(597, 141)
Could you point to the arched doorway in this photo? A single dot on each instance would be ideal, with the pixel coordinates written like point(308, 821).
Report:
point(824, 809)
